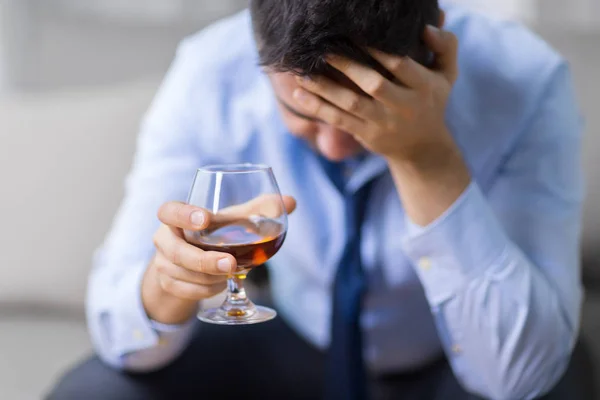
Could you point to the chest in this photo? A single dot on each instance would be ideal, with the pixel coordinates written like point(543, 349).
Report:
point(318, 230)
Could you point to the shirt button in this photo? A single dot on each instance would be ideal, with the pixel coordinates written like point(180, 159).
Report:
point(138, 335)
point(456, 349)
point(425, 263)
point(162, 341)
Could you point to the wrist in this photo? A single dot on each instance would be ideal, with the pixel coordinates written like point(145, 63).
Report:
point(430, 182)
point(161, 306)
point(431, 150)
point(430, 161)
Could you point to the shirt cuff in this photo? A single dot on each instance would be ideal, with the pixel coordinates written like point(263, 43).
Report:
point(132, 328)
point(143, 344)
point(463, 243)
point(173, 339)
point(166, 329)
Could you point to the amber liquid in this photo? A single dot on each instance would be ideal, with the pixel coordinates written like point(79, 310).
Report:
point(251, 241)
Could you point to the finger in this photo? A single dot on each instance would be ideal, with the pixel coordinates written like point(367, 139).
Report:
point(267, 205)
point(368, 80)
point(444, 45)
point(183, 216)
point(328, 113)
point(406, 70)
point(341, 97)
point(190, 291)
point(166, 267)
point(184, 254)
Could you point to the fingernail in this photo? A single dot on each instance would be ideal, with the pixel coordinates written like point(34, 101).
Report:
point(299, 95)
point(197, 218)
point(224, 265)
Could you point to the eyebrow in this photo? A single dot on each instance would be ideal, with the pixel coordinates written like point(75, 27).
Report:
point(296, 113)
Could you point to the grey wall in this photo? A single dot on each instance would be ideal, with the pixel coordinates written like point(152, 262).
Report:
point(49, 45)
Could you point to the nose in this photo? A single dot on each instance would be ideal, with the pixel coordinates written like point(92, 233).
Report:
point(337, 136)
point(331, 131)
point(306, 129)
point(334, 143)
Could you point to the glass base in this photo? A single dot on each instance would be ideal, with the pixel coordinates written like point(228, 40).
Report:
point(219, 316)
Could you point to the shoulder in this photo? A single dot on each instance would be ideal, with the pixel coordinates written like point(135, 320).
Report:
point(506, 74)
point(495, 50)
point(222, 50)
point(504, 66)
point(220, 69)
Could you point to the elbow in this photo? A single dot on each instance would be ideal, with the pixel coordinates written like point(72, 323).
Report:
point(101, 337)
point(523, 390)
point(146, 353)
point(510, 390)
point(149, 360)
point(106, 356)
point(523, 377)
point(105, 350)
point(143, 361)
point(126, 356)
point(136, 361)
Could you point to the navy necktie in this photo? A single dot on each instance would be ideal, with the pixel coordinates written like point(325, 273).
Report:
point(346, 378)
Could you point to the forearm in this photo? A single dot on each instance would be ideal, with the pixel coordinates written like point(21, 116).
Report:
point(507, 329)
point(505, 332)
point(430, 181)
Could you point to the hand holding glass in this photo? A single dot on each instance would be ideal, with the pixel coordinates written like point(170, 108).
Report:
point(249, 221)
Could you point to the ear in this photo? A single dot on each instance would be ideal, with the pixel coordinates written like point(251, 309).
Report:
point(442, 20)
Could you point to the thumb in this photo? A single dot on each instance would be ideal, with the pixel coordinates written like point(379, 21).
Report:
point(444, 45)
point(268, 205)
point(289, 203)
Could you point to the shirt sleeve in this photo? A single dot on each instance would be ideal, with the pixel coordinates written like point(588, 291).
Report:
point(167, 156)
point(501, 269)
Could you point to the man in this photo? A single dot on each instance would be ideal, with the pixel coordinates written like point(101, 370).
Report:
point(465, 261)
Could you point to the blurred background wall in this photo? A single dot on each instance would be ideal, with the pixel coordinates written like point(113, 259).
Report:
point(75, 79)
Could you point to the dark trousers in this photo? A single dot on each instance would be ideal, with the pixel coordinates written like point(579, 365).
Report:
point(269, 361)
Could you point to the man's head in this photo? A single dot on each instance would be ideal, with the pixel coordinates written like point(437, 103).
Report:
point(295, 36)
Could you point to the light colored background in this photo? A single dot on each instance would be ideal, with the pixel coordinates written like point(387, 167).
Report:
point(75, 78)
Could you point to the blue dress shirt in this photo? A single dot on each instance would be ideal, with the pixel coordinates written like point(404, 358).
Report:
point(494, 282)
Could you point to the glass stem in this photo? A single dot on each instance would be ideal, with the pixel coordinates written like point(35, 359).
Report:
point(237, 303)
point(237, 293)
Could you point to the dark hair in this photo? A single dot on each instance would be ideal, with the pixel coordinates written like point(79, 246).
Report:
point(296, 35)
